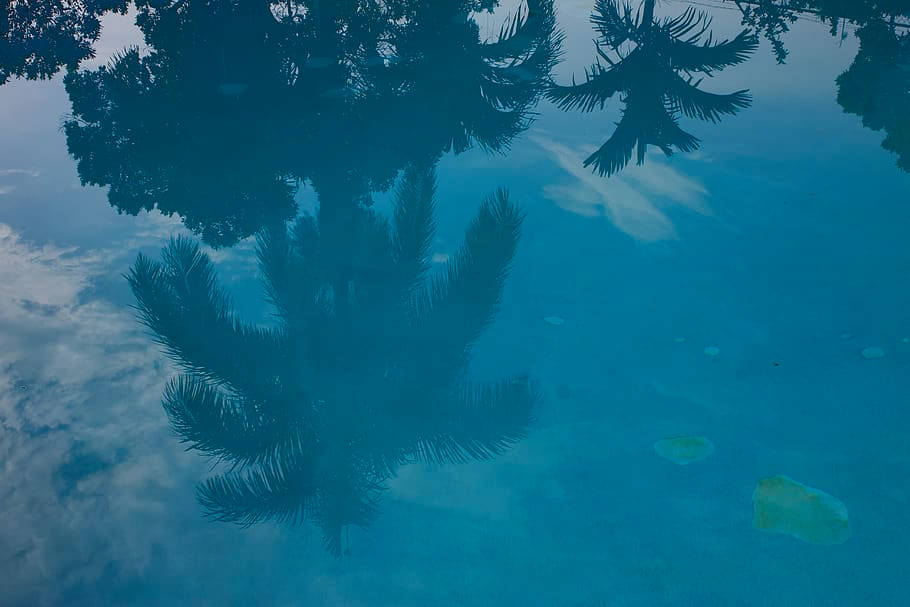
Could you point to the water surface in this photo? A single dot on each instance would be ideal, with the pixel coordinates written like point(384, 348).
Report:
point(389, 303)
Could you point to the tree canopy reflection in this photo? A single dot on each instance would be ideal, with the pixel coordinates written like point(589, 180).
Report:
point(364, 372)
point(39, 37)
point(876, 86)
point(235, 104)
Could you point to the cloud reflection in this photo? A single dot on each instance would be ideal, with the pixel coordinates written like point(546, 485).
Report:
point(74, 473)
point(634, 201)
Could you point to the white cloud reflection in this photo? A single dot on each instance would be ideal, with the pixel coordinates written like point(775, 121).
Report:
point(27, 172)
point(80, 387)
point(636, 200)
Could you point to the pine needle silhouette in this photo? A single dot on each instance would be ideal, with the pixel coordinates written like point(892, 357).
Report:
point(657, 67)
point(365, 371)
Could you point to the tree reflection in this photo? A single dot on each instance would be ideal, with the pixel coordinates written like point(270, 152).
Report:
point(365, 371)
point(235, 104)
point(197, 126)
point(876, 86)
point(38, 37)
point(469, 91)
point(656, 66)
point(773, 18)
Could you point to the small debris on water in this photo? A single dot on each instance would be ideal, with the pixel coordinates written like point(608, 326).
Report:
point(783, 505)
point(233, 89)
point(684, 450)
point(872, 352)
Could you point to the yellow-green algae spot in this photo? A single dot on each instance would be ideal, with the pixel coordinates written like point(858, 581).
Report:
point(684, 450)
point(782, 505)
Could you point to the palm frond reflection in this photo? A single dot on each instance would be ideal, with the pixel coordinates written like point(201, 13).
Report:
point(365, 372)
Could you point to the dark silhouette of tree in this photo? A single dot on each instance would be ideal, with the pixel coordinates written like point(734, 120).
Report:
point(773, 18)
point(236, 103)
point(876, 87)
point(198, 126)
point(877, 84)
point(656, 66)
point(469, 90)
point(364, 372)
point(436, 86)
point(38, 37)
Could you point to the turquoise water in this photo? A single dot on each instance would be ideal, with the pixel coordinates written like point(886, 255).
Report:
point(397, 303)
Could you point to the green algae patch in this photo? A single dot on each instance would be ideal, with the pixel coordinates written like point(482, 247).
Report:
point(783, 505)
point(684, 450)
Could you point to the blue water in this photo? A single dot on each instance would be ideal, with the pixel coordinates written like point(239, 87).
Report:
point(366, 304)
